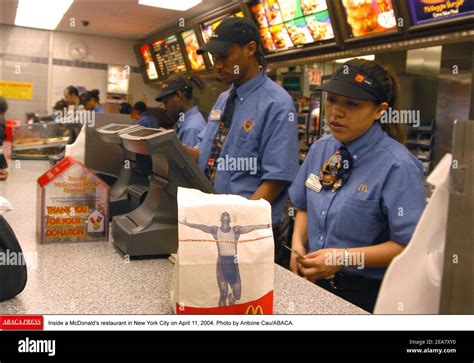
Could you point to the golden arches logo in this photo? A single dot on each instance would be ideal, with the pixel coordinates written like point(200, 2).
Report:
point(251, 310)
point(363, 188)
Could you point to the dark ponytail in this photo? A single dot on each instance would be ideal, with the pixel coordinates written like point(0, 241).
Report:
point(392, 91)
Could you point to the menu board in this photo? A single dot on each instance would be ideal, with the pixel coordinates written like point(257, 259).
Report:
point(192, 45)
point(369, 16)
point(292, 22)
point(207, 29)
point(168, 55)
point(149, 64)
point(424, 11)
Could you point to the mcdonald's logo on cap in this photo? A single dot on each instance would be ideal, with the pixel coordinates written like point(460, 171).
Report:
point(359, 78)
point(251, 310)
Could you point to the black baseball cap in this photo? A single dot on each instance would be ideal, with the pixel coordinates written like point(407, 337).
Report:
point(173, 85)
point(233, 30)
point(354, 82)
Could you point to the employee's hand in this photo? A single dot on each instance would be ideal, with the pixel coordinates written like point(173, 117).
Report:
point(293, 258)
point(321, 264)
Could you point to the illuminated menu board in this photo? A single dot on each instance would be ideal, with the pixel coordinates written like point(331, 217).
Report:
point(423, 11)
point(191, 43)
point(168, 55)
point(209, 27)
point(366, 17)
point(149, 64)
point(288, 23)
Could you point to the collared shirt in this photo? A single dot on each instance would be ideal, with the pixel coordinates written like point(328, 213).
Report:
point(189, 128)
point(147, 120)
point(382, 200)
point(262, 143)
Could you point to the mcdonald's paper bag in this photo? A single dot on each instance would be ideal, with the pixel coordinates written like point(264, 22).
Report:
point(224, 262)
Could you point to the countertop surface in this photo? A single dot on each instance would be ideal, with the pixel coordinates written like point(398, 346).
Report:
point(94, 277)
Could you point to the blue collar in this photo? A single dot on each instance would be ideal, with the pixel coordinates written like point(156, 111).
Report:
point(191, 111)
point(358, 147)
point(244, 90)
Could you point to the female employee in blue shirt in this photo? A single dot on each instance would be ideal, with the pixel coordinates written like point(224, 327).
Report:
point(359, 192)
point(177, 95)
point(91, 101)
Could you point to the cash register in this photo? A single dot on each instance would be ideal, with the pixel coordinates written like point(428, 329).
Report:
point(152, 228)
point(126, 192)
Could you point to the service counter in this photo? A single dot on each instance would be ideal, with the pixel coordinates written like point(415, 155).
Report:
point(94, 277)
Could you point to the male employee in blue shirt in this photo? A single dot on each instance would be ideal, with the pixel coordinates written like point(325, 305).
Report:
point(177, 95)
point(250, 144)
point(139, 112)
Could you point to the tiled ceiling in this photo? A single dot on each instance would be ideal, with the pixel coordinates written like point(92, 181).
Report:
point(117, 18)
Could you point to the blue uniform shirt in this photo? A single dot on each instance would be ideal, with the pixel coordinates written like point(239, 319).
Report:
point(190, 127)
point(263, 132)
point(99, 108)
point(147, 120)
point(382, 200)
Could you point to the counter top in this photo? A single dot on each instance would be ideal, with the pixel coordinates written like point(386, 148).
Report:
point(94, 278)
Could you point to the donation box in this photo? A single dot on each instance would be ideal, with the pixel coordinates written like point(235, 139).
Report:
point(72, 204)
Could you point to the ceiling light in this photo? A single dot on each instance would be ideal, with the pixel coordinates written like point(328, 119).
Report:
point(44, 14)
point(180, 5)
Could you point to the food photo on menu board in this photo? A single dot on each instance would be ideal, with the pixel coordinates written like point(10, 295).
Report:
point(149, 64)
point(313, 6)
point(319, 25)
point(191, 43)
point(267, 40)
point(369, 16)
point(299, 32)
point(290, 9)
point(258, 11)
point(272, 12)
point(280, 36)
point(433, 10)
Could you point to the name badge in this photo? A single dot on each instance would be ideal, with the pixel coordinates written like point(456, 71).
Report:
point(215, 115)
point(313, 183)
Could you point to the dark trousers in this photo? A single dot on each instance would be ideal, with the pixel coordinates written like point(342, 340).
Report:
point(280, 236)
point(358, 290)
point(3, 162)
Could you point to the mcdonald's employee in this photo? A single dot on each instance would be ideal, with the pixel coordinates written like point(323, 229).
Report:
point(360, 192)
point(177, 95)
point(250, 144)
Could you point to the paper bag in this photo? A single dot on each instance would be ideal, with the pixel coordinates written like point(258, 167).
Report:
point(225, 255)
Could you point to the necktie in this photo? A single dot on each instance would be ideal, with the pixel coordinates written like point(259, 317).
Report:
point(219, 139)
point(336, 170)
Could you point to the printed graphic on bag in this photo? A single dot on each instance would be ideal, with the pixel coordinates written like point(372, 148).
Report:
point(225, 255)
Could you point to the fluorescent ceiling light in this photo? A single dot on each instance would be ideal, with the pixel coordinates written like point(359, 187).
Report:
point(180, 5)
point(368, 57)
point(42, 14)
